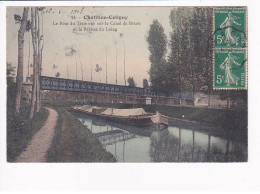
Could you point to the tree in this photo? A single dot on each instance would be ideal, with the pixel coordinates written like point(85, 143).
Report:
point(40, 48)
point(37, 42)
point(177, 59)
point(209, 54)
point(122, 36)
point(57, 75)
point(10, 74)
point(157, 44)
point(11, 86)
point(115, 42)
point(24, 26)
point(202, 49)
point(131, 82)
point(189, 64)
point(98, 70)
point(35, 60)
point(70, 52)
point(197, 49)
point(145, 83)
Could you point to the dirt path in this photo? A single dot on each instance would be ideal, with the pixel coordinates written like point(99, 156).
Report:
point(40, 143)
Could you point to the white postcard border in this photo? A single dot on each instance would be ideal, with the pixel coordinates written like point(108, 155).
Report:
point(169, 176)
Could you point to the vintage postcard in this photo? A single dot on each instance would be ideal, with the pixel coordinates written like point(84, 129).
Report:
point(127, 84)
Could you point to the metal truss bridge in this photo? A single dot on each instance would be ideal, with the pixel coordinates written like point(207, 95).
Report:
point(60, 84)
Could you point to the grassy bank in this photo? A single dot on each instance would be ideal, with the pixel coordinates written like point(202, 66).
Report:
point(20, 130)
point(74, 142)
point(59, 103)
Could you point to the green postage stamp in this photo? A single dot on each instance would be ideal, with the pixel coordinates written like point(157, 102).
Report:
point(230, 28)
point(230, 68)
point(230, 48)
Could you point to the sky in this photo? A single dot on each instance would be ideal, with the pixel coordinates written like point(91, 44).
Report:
point(58, 38)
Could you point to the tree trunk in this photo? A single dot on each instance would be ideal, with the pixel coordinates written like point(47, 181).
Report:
point(228, 99)
point(209, 97)
point(19, 78)
point(180, 89)
point(191, 68)
point(193, 85)
point(228, 102)
point(208, 150)
point(40, 47)
point(35, 62)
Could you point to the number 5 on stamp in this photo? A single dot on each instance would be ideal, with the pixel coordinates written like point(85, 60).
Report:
point(230, 69)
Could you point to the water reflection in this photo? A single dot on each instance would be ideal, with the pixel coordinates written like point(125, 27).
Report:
point(173, 144)
point(183, 145)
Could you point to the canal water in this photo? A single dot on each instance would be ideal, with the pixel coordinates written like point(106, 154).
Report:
point(173, 144)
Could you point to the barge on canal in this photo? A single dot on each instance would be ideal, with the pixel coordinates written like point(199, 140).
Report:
point(134, 117)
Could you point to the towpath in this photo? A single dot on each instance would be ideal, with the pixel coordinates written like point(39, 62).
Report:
point(39, 145)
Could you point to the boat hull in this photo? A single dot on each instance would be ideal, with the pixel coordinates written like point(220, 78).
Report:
point(132, 121)
point(99, 121)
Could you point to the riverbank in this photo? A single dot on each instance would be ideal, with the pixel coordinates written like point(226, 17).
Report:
point(20, 130)
point(74, 142)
